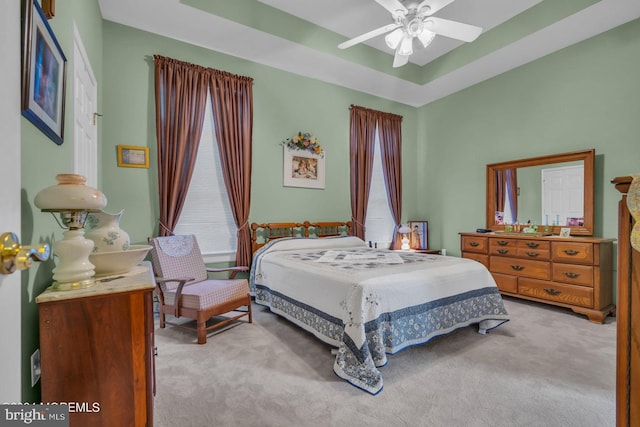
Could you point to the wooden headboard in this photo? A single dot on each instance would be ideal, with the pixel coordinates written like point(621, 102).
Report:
point(262, 233)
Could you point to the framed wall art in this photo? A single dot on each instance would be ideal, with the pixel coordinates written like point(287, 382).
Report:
point(303, 169)
point(44, 68)
point(133, 156)
point(419, 236)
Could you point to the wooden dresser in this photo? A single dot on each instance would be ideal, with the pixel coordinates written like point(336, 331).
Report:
point(628, 317)
point(573, 272)
point(97, 350)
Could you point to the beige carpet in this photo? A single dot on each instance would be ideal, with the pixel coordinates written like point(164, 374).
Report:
point(546, 367)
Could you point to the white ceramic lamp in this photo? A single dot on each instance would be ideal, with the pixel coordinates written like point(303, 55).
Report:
point(73, 200)
point(405, 230)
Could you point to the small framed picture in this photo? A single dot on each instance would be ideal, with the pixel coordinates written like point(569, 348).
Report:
point(565, 232)
point(132, 156)
point(43, 74)
point(419, 236)
point(303, 169)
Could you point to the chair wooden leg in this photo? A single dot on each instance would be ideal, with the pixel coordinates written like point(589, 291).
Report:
point(250, 313)
point(162, 321)
point(202, 332)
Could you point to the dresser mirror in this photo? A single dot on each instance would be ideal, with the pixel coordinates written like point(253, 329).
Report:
point(550, 192)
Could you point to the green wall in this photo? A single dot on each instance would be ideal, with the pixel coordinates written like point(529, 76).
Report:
point(584, 96)
point(284, 103)
point(42, 160)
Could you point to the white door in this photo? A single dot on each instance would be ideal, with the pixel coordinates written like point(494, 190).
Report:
point(10, 289)
point(85, 99)
point(562, 194)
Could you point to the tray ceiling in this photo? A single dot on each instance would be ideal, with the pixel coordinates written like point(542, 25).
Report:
point(279, 33)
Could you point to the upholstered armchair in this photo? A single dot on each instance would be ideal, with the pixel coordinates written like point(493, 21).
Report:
point(184, 288)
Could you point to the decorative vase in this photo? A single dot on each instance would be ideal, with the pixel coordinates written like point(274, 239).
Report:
point(104, 229)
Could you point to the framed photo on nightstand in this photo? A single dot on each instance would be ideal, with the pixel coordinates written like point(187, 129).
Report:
point(419, 237)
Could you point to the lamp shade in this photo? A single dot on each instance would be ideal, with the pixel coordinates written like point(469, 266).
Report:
point(404, 229)
point(406, 46)
point(426, 37)
point(393, 38)
point(70, 193)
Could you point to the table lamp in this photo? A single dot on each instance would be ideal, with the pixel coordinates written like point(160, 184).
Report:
point(73, 200)
point(405, 230)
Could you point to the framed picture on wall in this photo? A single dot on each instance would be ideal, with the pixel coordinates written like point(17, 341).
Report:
point(303, 169)
point(43, 74)
point(133, 156)
point(419, 237)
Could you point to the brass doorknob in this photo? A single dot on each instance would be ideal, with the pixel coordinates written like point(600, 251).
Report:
point(14, 256)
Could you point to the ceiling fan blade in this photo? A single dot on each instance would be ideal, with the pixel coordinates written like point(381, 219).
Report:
point(434, 6)
point(453, 29)
point(367, 36)
point(393, 6)
point(399, 60)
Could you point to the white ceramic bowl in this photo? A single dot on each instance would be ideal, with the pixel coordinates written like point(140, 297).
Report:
point(116, 262)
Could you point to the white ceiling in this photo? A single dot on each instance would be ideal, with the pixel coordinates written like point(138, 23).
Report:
point(350, 18)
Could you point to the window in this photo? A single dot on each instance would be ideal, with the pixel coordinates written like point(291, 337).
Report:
point(379, 223)
point(207, 211)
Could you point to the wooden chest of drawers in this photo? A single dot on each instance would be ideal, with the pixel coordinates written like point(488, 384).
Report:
point(573, 272)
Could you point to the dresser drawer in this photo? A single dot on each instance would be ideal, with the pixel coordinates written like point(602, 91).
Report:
point(475, 244)
point(537, 254)
point(559, 292)
point(495, 244)
point(506, 282)
point(570, 252)
point(533, 245)
point(520, 267)
point(573, 273)
point(481, 258)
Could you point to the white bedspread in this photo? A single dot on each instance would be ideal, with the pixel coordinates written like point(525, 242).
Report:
point(370, 302)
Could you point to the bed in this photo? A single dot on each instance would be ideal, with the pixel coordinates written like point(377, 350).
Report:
point(366, 302)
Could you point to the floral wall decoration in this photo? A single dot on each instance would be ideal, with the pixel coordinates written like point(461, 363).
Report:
point(304, 141)
point(303, 162)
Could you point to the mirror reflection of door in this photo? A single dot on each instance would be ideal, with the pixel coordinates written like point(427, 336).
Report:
point(563, 198)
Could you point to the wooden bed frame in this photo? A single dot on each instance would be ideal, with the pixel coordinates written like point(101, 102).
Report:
point(262, 233)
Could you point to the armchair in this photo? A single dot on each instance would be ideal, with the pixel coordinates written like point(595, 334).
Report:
point(184, 288)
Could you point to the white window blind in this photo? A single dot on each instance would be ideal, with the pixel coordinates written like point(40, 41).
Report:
point(207, 212)
point(379, 223)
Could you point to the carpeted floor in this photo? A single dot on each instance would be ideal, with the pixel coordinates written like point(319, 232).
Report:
point(546, 367)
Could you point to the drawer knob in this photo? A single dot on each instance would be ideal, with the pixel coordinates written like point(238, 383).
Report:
point(533, 254)
point(552, 291)
point(533, 245)
point(571, 275)
point(474, 244)
point(571, 252)
point(503, 251)
point(517, 267)
point(502, 243)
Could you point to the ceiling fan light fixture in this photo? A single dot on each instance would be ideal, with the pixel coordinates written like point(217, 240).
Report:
point(426, 37)
point(393, 38)
point(406, 46)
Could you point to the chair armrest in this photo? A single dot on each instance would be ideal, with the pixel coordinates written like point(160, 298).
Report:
point(233, 270)
point(178, 299)
point(177, 279)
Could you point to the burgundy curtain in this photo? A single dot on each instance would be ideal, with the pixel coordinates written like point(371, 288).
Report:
point(181, 95)
point(504, 176)
point(390, 132)
point(361, 151)
point(512, 178)
point(500, 190)
point(232, 105)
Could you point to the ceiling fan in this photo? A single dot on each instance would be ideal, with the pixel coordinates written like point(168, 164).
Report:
point(411, 20)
